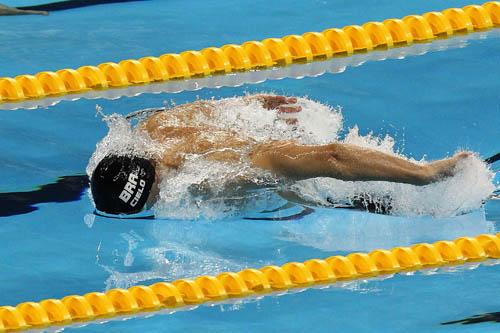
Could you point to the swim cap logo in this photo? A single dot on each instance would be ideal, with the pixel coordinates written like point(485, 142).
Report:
point(130, 187)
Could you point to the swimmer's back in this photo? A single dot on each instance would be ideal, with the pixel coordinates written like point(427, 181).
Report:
point(180, 134)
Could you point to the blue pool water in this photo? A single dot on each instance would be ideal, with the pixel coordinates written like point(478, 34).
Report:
point(431, 105)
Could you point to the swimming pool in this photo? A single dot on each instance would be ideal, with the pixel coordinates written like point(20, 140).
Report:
point(431, 104)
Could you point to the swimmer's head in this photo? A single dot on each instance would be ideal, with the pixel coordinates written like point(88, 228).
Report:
point(121, 184)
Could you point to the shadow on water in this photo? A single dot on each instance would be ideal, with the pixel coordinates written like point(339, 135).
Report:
point(357, 204)
point(492, 317)
point(304, 212)
point(65, 189)
point(70, 4)
point(70, 188)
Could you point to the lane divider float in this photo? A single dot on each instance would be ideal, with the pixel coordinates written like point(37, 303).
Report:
point(253, 55)
point(184, 292)
point(297, 71)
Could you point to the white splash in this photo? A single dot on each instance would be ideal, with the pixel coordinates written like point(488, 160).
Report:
point(464, 192)
point(122, 138)
point(198, 189)
point(317, 123)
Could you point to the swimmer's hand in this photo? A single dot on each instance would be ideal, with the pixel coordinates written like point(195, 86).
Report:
point(442, 169)
point(282, 104)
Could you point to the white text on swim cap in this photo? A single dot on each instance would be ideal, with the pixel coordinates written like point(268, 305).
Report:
point(130, 186)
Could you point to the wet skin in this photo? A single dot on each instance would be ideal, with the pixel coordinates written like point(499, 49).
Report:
point(181, 135)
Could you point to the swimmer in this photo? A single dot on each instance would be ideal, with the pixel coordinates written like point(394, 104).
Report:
point(128, 184)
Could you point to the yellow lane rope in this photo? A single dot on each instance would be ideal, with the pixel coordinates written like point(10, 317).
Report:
point(116, 302)
point(253, 55)
point(297, 71)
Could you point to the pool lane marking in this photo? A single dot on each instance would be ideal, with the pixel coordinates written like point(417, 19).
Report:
point(99, 306)
point(254, 55)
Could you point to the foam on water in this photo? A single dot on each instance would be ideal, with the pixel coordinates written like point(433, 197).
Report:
point(453, 196)
point(121, 139)
point(317, 123)
point(199, 188)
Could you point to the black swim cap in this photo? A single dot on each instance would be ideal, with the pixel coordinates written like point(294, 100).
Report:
point(121, 184)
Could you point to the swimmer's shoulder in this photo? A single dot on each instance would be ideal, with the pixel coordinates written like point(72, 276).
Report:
point(150, 121)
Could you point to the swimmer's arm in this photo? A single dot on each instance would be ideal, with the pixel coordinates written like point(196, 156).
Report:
point(349, 163)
